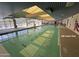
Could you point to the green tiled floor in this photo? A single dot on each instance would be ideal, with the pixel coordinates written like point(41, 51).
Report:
point(40, 42)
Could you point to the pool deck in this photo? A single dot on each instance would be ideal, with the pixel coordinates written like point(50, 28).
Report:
point(69, 43)
point(3, 52)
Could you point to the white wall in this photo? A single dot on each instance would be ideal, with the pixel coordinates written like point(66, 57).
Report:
point(71, 22)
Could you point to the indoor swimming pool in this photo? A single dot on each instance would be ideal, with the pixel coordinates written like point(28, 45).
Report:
point(39, 41)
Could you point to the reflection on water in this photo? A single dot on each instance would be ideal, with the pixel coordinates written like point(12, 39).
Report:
point(4, 37)
point(7, 36)
point(23, 32)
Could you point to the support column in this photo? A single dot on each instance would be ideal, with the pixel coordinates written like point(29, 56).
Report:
point(26, 22)
point(14, 21)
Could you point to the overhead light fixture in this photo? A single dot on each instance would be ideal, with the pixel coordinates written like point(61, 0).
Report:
point(44, 15)
point(33, 10)
point(38, 12)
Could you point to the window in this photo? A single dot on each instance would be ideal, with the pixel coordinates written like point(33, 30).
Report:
point(6, 24)
point(21, 22)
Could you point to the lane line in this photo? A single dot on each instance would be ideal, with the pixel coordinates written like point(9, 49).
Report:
point(39, 41)
point(30, 50)
point(59, 40)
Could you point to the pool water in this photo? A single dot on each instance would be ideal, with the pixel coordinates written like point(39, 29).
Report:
point(36, 42)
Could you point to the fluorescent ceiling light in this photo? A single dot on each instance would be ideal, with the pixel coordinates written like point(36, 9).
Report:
point(38, 12)
point(44, 15)
point(33, 10)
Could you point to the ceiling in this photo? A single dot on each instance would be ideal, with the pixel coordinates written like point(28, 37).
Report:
point(40, 10)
